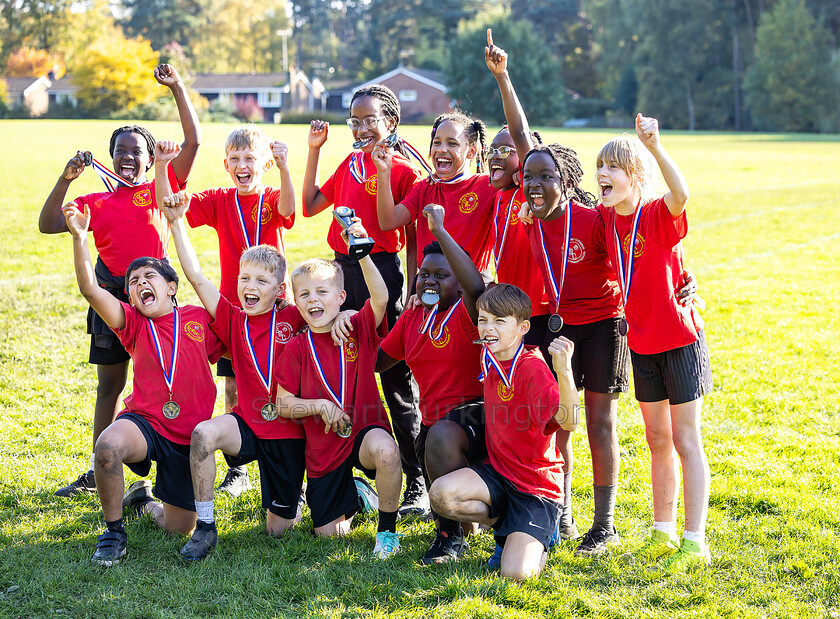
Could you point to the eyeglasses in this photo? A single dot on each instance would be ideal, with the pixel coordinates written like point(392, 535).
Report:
point(503, 151)
point(370, 122)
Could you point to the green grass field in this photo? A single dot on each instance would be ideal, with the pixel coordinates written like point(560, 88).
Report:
point(764, 219)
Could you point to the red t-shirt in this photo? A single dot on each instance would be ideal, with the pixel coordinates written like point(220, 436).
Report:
point(469, 214)
point(251, 394)
point(520, 426)
point(217, 208)
point(446, 369)
point(512, 251)
point(657, 322)
point(297, 373)
point(126, 223)
point(193, 387)
point(590, 292)
point(342, 189)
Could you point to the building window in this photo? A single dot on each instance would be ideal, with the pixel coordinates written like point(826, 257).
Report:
point(269, 99)
point(408, 95)
point(345, 100)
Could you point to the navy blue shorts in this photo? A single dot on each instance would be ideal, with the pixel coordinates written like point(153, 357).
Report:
point(334, 494)
point(281, 463)
point(680, 375)
point(518, 512)
point(173, 483)
point(224, 367)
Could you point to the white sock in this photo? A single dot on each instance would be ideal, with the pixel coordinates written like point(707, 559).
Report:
point(92, 460)
point(666, 527)
point(204, 511)
point(698, 538)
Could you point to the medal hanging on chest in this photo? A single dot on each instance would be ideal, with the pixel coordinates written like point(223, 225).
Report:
point(555, 321)
point(269, 409)
point(427, 325)
point(170, 409)
point(336, 396)
point(489, 360)
point(626, 269)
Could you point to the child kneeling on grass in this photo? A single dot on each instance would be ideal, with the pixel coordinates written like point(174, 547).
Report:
point(333, 389)
point(519, 491)
point(173, 391)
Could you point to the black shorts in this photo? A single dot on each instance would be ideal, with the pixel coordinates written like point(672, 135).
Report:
point(224, 367)
point(333, 495)
point(470, 416)
point(281, 463)
point(518, 512)
point(173, 483)
point(680, 375)
point(600, 359)
point(356, 289)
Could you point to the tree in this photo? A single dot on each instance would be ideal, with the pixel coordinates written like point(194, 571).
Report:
point(116, 74)
point(787, 85)
point(164, 21)
point(26, 62)
point(534, 71)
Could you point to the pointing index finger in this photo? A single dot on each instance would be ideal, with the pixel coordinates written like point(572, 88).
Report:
point(489, 37)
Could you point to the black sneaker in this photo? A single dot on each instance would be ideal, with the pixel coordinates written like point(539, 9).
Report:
point(415, 503)
point(203, 540)
point(236, 481)
point(138, 494)
point(110, 548)
point(85, 483)
point(446, 547)
point(596, 542)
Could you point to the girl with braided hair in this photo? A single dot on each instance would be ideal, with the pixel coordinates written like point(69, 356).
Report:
point(374, 116)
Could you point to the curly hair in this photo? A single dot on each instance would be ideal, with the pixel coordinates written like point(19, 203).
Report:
point(475, 129)
point(150, 141)
point(390, 107)
point(568, 167)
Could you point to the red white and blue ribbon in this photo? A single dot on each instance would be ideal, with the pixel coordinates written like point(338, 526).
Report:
point(415, 154)
point(557, 288)
point(112, 181)
point(430, 321)
point(357, 167)
point(450, 181)
point(265, 379)
point(335, 396)
point(626, 269)
point(241, 220)
point(488, 360)
point(499, 243)
point(173, 359)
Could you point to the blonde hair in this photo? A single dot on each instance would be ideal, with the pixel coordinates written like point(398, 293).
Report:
point(318, 268)
point(505, 300)
point(628, 153)
point(268, 257)
point(249, 136)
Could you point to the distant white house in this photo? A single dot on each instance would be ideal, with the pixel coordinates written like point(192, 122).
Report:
point(37, 94)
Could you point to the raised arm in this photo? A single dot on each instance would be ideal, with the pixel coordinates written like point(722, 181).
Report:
point(182, 165)
point(647, 129)
point(102, 301)
point(373, 278)
point(561, 350)
point(391, 216)
point(313, 200)
point(287, 190)
point(174, 207)
point(51, 220)
point(496, 59)
point(462, 266)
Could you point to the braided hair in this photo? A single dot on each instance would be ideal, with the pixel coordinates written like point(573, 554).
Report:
point(150, 141)
point(476, 134)
point(568, 167)
point(390, 107)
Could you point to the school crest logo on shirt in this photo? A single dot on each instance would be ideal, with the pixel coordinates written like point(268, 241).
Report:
point(443, 340)
point(640, 245)
point(351, 350)
point(265, 213)
point(370, 185)
point(142, 197)
point(577, 250)
point(194, 331)
point(468, 202)
point(514, 213)
point(505, 393)
point(283, 332)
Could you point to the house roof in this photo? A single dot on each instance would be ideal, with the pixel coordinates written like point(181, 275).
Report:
point(239, 81)
point(425, 76)
point(64, 84)
point(16, 85)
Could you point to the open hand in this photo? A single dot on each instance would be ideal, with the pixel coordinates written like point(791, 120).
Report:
point(342, 326)
point(77, 220)
point(495, 57)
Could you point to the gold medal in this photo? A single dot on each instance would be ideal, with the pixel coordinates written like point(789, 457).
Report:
point(348, 430)
point(171, 409)
point(269, 411)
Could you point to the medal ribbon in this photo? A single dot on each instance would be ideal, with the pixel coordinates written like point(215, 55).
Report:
point(357, 167)
point(241, 219)
point(415, 154)
point(112, 180)
point(338, 398)
point(265, 379)
point(430, 320)
point(455, 179)
point(499, 245)
point(626, 270)
point(555, 288)
point(488, 360)
point(173, 360)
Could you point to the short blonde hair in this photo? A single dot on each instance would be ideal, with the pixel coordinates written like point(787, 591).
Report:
point(628, 153)
point(249, 136)
point(318, 268)
point(268, 257)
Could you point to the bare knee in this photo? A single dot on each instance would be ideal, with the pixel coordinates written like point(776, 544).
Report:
point(277, 526)
point(659, 440)
point(202, 440)
point(442, 497)
point(687, 442)
point(387, 456)
point(109, 453)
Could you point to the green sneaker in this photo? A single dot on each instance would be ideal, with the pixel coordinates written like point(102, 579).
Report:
point(689, 554)
point(659, 545)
